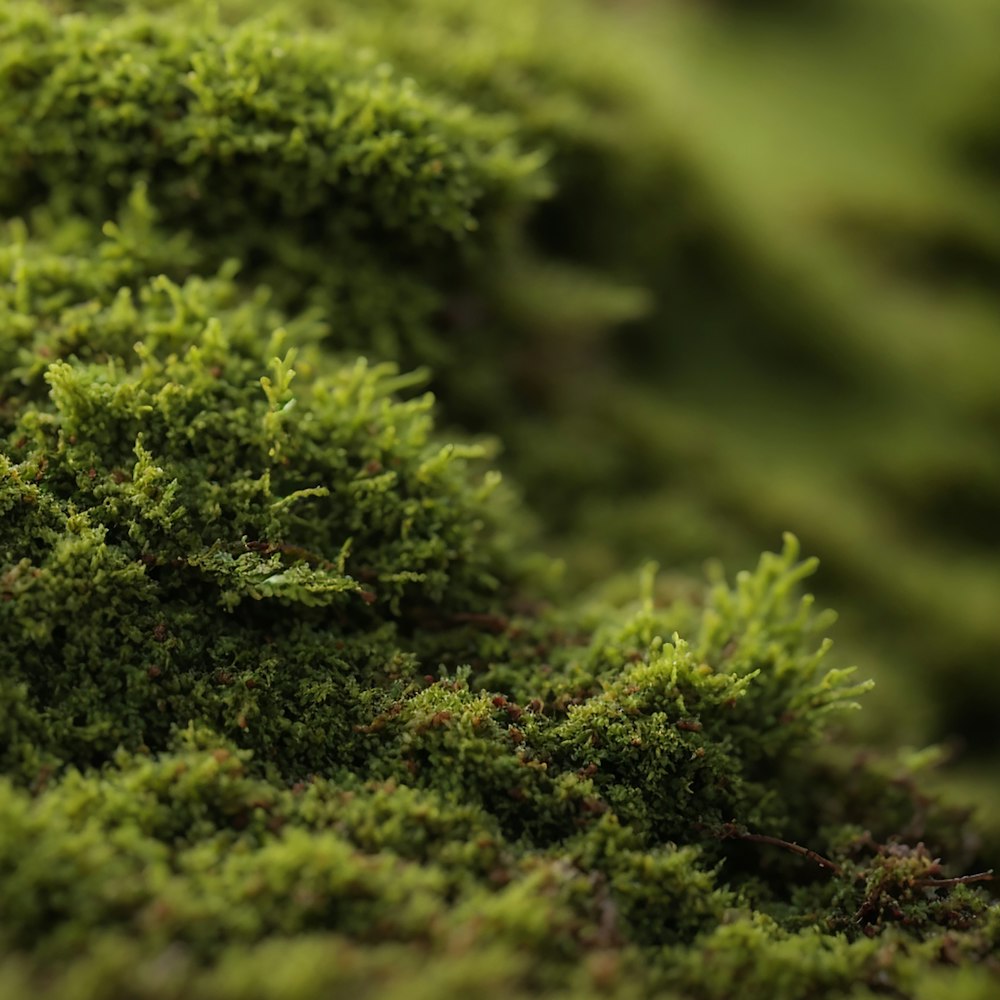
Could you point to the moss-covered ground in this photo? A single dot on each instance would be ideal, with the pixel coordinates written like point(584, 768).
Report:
point(355, 360)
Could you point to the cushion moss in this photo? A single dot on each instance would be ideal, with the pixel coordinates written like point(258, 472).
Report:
point(291, 702)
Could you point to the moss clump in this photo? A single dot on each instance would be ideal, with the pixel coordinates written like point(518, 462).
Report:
point(169, 493)
point(302, 155)
point(286, 704)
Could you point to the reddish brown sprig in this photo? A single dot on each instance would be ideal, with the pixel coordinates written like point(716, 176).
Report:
point(947, 883)
point(732, 832)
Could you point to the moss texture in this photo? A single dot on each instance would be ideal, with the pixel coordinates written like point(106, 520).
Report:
point(293, 702)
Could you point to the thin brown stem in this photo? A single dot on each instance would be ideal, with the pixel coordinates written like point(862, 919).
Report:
point(945, 883)
point(730, 831)
point(805, 852)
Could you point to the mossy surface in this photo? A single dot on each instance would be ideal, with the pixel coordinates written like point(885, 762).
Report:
point(701, 304)
point(292, 702)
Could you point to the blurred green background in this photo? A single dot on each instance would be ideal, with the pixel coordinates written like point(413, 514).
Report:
point(822, 240)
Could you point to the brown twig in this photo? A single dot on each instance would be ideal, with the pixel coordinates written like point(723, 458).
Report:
point(730, 831)
point(945, 883)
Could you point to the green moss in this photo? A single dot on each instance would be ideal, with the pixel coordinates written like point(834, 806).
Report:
point(252, 136)
point(290, 703)
point(168, 493)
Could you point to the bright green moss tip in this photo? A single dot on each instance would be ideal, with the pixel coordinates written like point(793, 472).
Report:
point(290, 704)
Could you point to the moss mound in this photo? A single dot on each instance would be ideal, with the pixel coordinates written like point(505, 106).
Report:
point(292, 702)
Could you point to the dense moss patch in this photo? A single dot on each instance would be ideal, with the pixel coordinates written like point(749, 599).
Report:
point(291, 702)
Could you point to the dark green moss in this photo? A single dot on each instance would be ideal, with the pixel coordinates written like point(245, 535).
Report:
point(290, 703)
